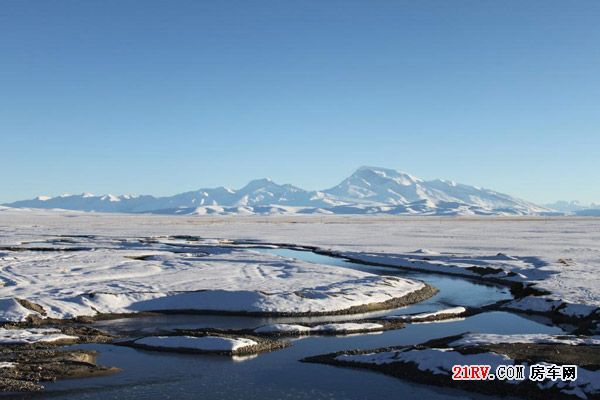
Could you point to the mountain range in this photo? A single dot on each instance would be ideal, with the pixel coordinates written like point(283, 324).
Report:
point(575, 207)
point(369, 190)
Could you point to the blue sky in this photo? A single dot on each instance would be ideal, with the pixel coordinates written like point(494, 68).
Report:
point(160, 97)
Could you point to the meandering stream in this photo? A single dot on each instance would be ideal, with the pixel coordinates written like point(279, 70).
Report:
point(279, 374)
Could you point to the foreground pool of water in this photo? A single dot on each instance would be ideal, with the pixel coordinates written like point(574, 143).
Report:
point(276, 375)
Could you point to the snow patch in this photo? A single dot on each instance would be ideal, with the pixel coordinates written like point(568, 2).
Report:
point(445, 313)
point(328, 328)
point(32, 335)
point(436, 361)
point(475, 339)
point(12, 311)
point(440, 362)
point(204, 343)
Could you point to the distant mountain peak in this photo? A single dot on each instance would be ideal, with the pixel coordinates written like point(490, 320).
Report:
point(379, 185)
point(368, 190)
point(261, 182)
point(385, 173)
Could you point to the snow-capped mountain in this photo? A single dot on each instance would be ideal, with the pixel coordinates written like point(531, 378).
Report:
point(369, 190)
point(388, 186)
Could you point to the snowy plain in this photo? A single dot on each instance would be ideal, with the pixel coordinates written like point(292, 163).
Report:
point(73, 277)
point(559, 255)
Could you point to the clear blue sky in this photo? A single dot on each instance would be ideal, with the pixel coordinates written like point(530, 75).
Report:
point(160, 97)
